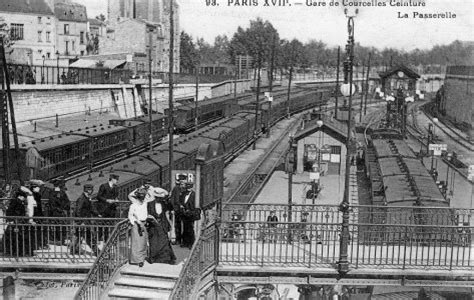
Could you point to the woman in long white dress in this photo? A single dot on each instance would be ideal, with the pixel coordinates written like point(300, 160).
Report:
point(137, 216)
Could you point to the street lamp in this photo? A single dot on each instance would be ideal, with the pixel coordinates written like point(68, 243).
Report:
point(408, 99)
point(291, 165)
point(57, 64)
point(42, 71)
point(431, 135)
point(315, 187)
point(347, 90)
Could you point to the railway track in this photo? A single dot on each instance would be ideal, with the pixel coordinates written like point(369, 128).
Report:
point(451, 133)
point(256, 178)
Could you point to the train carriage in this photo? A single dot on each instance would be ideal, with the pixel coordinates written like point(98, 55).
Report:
point(55, 156)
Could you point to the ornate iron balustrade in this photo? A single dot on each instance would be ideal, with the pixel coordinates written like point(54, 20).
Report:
point(52, 240)
point(114, 255)
point(38, 74)
point(393, 237)
point(199, 266)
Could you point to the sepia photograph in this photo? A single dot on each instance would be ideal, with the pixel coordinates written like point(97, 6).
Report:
point(237, 149)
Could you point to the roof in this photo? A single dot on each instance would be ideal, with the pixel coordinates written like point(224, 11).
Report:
point(408, 72)
point(26, 6)
point(89, 63)
point(95, 22)
point(70, 12)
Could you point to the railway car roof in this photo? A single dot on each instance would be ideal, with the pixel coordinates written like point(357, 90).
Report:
point(97, 179)
point(126, 122)
point(190, 144)
point(398, 189)
point(100, 130)
point(391, 166)
point(136, 165)
point(386, 148)
point(54, 142)
point(160, 157)
point(154, 117)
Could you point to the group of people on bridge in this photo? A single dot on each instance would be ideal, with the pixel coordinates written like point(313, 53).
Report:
point(151, 211)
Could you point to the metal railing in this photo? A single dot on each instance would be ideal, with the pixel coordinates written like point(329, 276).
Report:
point(392, 237)
point(200, 264)
point(52, 240)
point(38, 74)
point(114, 255)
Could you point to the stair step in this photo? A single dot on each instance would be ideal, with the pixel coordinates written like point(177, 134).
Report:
point(145, 282)
point(158, 271)
point(139, 294)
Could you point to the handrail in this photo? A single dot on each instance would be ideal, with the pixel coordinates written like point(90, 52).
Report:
point(114, 255)
point(201, 262)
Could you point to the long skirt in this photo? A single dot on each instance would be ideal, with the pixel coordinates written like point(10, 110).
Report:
point(160, 246)
point(138, 253)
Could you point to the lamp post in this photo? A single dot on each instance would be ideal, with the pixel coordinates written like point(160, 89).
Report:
point(315, 187)
point(290, 168)
point(42, 71)
point(408, 99)
point(57, 65)
point(347, 90)
point(431, 135)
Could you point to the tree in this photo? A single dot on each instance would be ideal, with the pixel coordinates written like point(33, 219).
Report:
point(100, 17)
point(187, 52)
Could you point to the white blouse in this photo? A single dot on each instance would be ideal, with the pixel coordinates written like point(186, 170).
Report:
point(137, 212)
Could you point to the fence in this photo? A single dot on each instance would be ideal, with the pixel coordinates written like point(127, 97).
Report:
point(114, 255)
point(34, 74)
point(310, 235)
point(46, 239)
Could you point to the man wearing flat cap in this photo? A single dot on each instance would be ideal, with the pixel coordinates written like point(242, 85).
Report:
point(59, 203)
point(84, 204)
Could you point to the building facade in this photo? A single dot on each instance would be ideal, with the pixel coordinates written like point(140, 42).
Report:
point(154, 14)
point(71, 28)
point(32, 26)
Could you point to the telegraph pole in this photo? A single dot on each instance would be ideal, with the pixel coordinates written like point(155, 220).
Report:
point(337, 79)
point(362, 94)
point(12, 113)
point(259, 65)
point(196, 113)
point(170, 98)
point(367, 85)
point(270, 87)
point(150, 103)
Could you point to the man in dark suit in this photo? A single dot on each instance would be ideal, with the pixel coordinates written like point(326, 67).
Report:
point(188, 203)
point(176, 202)
point(106, 207)
point(84, 210)
point(108, 193)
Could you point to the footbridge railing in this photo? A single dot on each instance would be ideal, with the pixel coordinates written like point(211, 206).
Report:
point(403, 238)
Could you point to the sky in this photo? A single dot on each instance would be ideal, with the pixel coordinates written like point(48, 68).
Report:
point(379, 26)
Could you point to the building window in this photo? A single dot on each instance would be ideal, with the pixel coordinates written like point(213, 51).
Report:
point(40, 33)
point(66, 28)
point(39, 20)
point(81, 37)
point(73, 45)
point(16, 32)
point(82, 52)
point(48, 37)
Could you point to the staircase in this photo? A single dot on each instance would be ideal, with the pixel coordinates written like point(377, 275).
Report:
point(154, 281)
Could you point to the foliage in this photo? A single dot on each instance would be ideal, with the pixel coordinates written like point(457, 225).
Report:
point(5, 34)
point(187, 52)
point(101, 17)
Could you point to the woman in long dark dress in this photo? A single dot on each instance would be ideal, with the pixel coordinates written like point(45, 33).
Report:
point(17, 238)
point(160, 250)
